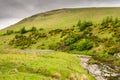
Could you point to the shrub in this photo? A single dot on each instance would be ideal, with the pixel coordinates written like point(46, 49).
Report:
point(70, 39)
point(84, 25)
point(33, 29)
point(54, 32)
point(22, 41)
point(8, 32)
point(117, 20)
point(23, 30)
point(79, 23)
point(109, 20)
point(53, 46)
point(41, 29)
point(83, 44)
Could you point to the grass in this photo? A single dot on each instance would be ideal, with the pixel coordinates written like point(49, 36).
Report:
point(54, 66)
point(99, 57)
point(65, 18)
point(59, 65)
point(62, 18)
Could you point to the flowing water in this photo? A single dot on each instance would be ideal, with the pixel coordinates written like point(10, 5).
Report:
point(100, 71)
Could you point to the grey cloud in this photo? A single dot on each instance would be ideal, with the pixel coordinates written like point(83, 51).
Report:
point(23, 8)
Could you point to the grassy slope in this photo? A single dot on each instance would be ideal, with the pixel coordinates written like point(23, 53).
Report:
point(59, 19)
point(65, 17)
point(15, 65)
point(40, 66)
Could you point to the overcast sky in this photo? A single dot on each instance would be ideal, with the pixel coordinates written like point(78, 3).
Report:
point(12, 11)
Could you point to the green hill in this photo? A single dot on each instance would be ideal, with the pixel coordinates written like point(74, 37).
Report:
point(57, 19)
point(88, 31)
point(67, 17)
point(52, 66)
point(78, 29)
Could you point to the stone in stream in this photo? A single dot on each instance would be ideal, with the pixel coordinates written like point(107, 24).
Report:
point(99, 71)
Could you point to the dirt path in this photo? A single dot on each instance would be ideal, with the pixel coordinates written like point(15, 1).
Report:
point(36, 51)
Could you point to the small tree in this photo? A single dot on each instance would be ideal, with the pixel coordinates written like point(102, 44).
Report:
point(103, 22)
point(84, 25)
point(41, 29)
point(116, 20)
point(110, 19)
point(9, 32)
point(33, 29)
point(79, 23)
point(23, 30)
point(83, 44)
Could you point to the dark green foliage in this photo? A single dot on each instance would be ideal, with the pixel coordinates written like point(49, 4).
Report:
point(53, 46)
point(23, 30)
point(109, 20)
point(41, 29)
point(36, 35)
point(79, 23)
point(33, 29)
point(70, 39)
point(22, 41)
point(83, 44)
point(8, 32)
point(54, 32)
point(86, 37)
point(17, 31)
point(84, 25)
point(112, 47)
point(116, 20)
point(66, 32)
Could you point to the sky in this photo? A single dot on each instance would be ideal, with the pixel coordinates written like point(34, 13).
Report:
point(12, 11)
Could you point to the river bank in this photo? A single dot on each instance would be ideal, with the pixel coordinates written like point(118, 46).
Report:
point(99, 71)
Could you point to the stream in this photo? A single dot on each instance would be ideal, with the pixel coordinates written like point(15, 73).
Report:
point(100, 71)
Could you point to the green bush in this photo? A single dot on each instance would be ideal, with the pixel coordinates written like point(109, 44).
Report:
point(22, 41)
point(109, 20)
point(41, 29)
point(84, 25)
point(79, 23)
point(8, 32)
point(23, 30)
point(83, 44)
point(53, 46)
point(70, 39)
point(33, 29)
point(54, 32)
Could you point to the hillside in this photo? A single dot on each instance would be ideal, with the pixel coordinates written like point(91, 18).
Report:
point(87, 31)
point(67, 17)
point(41, 67)
point(58, 19)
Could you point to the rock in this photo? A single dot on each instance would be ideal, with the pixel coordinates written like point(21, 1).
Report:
point(101, 71)
point(117, 55)
point(56, 75)
point(83, 77)
point(72, 76)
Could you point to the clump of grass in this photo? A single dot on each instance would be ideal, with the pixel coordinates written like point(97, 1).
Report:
point(92, 61)
point(40, 66)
